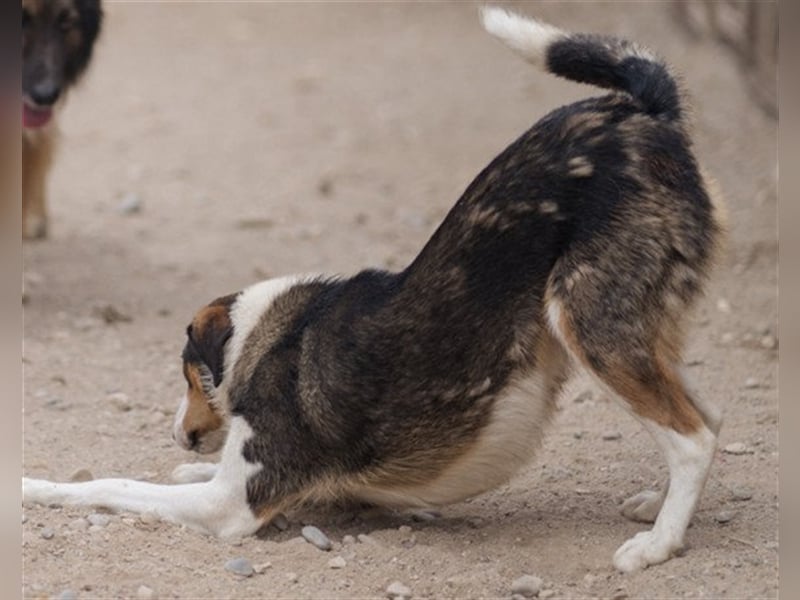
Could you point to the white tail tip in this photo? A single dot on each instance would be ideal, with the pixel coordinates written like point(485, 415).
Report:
point(526, 36)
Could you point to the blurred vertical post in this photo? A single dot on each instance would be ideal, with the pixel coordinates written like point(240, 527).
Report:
point(10, 305)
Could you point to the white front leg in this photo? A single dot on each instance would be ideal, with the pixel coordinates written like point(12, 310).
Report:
point(218, 506)
point(206, 507)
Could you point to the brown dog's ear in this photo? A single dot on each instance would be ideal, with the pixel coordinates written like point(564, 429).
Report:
point(208, 332)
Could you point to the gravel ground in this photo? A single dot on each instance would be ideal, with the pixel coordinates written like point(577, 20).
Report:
point(212, 146)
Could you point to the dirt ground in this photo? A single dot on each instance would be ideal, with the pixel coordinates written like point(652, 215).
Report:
point(213, 146)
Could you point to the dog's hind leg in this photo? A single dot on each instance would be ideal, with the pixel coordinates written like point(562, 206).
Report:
point(219, 506)
point(634, 360)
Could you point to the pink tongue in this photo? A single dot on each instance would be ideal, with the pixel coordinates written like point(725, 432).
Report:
point(35, 117)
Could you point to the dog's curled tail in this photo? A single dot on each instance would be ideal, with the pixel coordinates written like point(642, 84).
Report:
point(598, 60)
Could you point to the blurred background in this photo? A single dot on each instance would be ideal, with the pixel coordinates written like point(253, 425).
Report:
point(212, 145)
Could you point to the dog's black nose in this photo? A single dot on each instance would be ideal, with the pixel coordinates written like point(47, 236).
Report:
point(45, 94)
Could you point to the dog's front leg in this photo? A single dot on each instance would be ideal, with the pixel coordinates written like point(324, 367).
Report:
point(218, 506)
point(210, 507)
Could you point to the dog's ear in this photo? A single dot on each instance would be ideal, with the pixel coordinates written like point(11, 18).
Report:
point(208, 332)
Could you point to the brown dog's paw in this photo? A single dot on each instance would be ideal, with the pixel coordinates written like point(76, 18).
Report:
point(34, 228)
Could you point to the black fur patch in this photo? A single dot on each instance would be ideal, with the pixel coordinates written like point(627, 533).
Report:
point(601, 61)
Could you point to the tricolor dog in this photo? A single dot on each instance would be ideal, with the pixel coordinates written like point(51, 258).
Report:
point(581, 245)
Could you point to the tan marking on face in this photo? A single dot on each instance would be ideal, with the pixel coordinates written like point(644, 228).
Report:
point(200, 414)
point(213, 316)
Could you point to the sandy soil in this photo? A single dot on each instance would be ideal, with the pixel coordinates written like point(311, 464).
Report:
point(270, 139)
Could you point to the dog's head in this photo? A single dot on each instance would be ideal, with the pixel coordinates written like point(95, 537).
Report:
point(201, 420)
point(57, 41)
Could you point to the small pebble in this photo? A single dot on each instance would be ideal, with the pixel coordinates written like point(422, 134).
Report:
point(423, 516)
point(751, 383)
point(81, 475)
point(727, 338)
point(367, 539)
point(769, 342)
point(261, 567)
point(723, 306)
point(337, 562)
point(110, 314)
point(314, 536)
point(67, 595)
point(148, 518)
point(120, 401)
point(398, 591)
point(527, 586)
point(741, 494)
point(240, 566)
point(47, 533)
point(145, 593)
point(79, 524)
point(95, 528)
point(348, 539)
point(130, 204)
point(611, 436)
point(724, 516)
point(292, 577)
point(737, 448)
point(99, 519)
point(547, 593)
point(280, 522)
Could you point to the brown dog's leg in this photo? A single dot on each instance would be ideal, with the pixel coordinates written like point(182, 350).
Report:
point(37, 153)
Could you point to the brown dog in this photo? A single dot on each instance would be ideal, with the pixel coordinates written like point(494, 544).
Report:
point(581, 245)
point(57, 41)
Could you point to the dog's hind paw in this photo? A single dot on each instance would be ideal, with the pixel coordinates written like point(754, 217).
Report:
point(644, 549)
point(643, 507)
point(194, 472)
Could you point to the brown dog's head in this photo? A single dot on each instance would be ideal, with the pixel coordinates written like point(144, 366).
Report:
point(200, 423)
point(57, 41)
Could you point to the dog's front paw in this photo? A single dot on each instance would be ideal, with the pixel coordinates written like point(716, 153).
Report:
point(34, 227)
point(194, 472)
point(36, 491)
point(643, 507)
point(644, 549)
